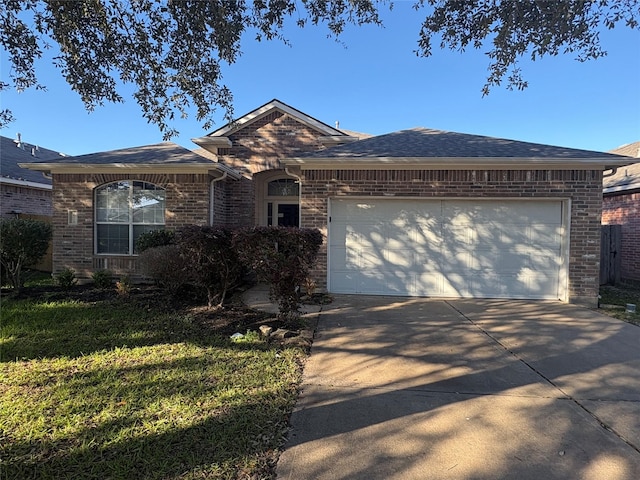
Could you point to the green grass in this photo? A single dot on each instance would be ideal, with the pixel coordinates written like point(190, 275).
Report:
point(613, 301)
point(109, 390)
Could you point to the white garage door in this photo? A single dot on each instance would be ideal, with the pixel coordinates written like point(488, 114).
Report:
point(447, 248)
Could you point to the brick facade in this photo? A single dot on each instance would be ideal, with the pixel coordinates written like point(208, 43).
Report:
point(624, 210)
point(583, 188)
point(24, 199)
point(261, 145)
point(256, 152)
point(187, 203)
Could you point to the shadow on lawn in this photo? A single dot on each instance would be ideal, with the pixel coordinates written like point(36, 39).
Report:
point(225, 441)
point(204, 424)
point(56, 324)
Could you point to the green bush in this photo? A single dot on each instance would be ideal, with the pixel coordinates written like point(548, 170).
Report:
point(22, 243)
point(103, 279)
point(66, 278)
point(212, 262)
point(281, 257)
point(166, 266)
point(154, 238)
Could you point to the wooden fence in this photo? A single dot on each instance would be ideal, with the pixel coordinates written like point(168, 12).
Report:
point(610, 247)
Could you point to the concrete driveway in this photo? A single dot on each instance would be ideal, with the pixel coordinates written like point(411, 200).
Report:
point(406, 388)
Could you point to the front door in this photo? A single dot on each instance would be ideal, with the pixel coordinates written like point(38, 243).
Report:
point(283, 214)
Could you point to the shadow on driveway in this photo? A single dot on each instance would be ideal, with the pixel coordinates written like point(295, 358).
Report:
point(467, 389)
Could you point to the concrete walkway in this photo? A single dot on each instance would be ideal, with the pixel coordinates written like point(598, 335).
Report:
point(399, 388)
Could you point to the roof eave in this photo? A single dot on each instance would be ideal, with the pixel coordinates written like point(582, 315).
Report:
point(448, 163)
point(59, 168)
point(621, 189)
point(26, 183)
point(212, 144)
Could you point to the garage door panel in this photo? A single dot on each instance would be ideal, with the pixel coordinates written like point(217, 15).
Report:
point(395, 258)
point(548, 235)
point(545, 262)
point(458, 248)
point(429, 284)
point(365, 234)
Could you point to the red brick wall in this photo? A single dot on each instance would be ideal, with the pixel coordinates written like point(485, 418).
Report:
point(260, 145)
point(625, 210)
point(24, 199)
point(584, 188)
point(187, 202)
point(240, 206)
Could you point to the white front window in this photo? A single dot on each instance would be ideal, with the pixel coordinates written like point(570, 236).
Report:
point(123, 211)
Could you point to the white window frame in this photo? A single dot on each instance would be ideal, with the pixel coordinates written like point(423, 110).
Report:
point(130, 223)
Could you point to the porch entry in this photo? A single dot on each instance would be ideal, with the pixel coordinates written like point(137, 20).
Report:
point(278, 200)
point(283, 214)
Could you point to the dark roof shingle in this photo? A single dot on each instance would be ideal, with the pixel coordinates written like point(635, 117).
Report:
point(165, 153)
point(11, 154)
point(428, 143)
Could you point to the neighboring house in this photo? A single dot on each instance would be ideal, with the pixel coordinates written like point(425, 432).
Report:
point(22, 191)
point(416, 212)
point(621, 206)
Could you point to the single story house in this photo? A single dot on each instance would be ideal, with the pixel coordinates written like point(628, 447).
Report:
point(417, 212)
point(621, 206)
point(22, 191)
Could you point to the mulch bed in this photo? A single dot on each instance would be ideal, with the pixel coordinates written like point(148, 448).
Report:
point(231, 318)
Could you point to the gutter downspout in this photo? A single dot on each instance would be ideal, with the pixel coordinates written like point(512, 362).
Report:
point(213, 194)
point(613, 172)
point(299, 178)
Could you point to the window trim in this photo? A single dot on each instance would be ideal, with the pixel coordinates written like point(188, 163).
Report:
point(130, 223)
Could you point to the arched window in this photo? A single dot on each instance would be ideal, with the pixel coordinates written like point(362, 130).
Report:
point(283, 187)
point(124, 210)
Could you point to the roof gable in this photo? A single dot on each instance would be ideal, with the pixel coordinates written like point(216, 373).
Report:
point(265, 110)
point(627, 177)
point(220, 138)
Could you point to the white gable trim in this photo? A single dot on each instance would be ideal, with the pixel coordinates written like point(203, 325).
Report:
point(265, 110)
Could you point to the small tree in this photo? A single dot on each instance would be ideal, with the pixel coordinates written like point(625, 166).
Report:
point(23, 243)
point(211, 260)
point(281, 257)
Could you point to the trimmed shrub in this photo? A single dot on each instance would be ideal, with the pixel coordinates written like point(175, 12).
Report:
point(212, 262)
point(166, 266)
point(22, 243)
point(66, 278)
point(282, 257)
point(155, 238)
point(102, 279)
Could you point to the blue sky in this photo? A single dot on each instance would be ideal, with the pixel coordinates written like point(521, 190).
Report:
point(374, 84)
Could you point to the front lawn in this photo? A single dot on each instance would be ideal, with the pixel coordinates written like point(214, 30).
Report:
point(97, 388)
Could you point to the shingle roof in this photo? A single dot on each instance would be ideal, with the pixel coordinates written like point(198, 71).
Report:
point(428, 143)
point(165, 153)
point(629, 150)
point(627, 177)
point(165, 156)
point(11, 154)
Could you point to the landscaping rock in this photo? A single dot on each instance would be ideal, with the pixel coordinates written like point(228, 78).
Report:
point(298, 341)
point(266, 330)
point(307, 334)
point(282, 333)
